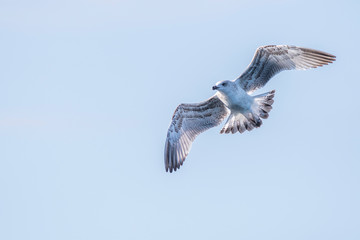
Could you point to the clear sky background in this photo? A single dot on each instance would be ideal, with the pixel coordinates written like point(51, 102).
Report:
point(87, 91)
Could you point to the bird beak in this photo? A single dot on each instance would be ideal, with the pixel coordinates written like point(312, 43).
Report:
point(215, 87)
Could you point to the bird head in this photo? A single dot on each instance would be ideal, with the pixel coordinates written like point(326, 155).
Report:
point(223, 86)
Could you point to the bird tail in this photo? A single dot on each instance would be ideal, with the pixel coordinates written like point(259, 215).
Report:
point(262, 104)
point(251, 119)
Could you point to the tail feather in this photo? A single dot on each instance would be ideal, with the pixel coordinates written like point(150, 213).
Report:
point(241, 127)
point(240, 122)
point(263, 114)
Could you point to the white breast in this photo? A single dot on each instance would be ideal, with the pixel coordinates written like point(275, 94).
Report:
point(236, 99)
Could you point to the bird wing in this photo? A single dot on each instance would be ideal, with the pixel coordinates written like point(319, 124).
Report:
point(272, 59)
point(188, 121)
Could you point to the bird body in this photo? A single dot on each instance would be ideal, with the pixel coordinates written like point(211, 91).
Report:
point(234, 97)
point(235, 100)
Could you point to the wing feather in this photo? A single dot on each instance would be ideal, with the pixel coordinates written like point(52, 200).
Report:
point(272, 59)
point(188, 121)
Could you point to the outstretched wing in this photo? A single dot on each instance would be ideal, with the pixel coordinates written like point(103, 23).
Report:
point(272, 59)
point(188, 121)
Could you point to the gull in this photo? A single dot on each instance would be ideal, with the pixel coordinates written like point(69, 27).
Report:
point(234, 99)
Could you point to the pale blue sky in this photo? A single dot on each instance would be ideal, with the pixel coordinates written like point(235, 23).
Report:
point(87, 92)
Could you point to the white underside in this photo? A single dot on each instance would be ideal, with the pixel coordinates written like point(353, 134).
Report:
point(237, 100)
point(246, 110)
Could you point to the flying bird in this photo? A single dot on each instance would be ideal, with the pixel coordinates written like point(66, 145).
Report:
point(234, 99)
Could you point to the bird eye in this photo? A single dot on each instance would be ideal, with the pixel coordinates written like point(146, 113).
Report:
point(224, 84)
